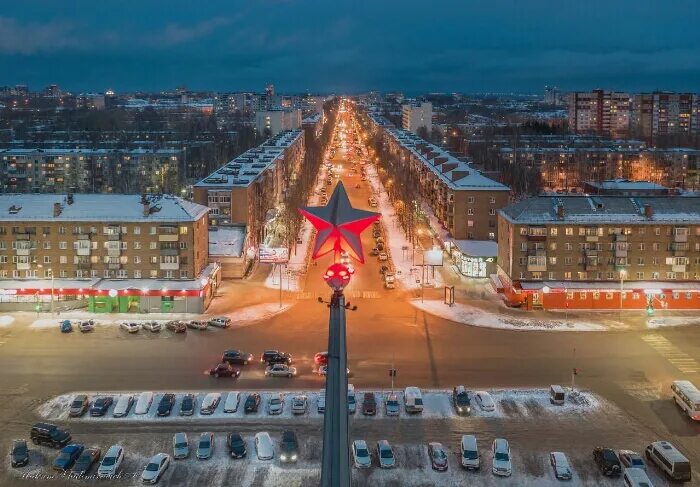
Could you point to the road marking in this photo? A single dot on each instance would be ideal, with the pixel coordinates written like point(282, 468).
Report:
point(679, 359)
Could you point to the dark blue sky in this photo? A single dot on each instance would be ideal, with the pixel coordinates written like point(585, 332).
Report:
point(410, 45)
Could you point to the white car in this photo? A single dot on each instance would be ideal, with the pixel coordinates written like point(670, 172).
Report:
point(143, 404)
point(299, 404)
point(385, 454)
point(220, 322)
point(130, 327)
point(469, 451)
point(123, 405)
point(275, 405)
point(383, 256)
point(210, 403)
point(391, 405)
point(322, 401)
point(152, 326)
point(484, 400)
point(560, 464)
point(111, 462)
point(501, 458)
point(156, 467)
point(263, 446)
point(280, 370)
point(323, 370)
point(233, 399)
point(360, 454)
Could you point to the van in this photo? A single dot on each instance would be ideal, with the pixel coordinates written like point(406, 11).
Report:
point(470, 453)
point(123, 405)
point(557, 395)
point(672, 462)
point(143, 404)
point(636, 477)
point(413, 400)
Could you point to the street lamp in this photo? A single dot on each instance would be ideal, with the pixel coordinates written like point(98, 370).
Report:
point(623, 274)
point(40, 266)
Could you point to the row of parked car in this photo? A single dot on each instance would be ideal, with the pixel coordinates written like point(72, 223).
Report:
point(176, 326)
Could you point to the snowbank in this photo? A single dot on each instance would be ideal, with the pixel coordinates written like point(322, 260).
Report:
point(6, 321)
point(672, 321)
point(469, 315)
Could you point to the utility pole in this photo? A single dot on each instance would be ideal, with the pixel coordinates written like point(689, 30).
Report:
point(573, 373)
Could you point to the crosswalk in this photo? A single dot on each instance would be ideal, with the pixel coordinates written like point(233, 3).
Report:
point(681, 360)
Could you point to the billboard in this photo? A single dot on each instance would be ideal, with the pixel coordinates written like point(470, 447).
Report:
point(273, 255)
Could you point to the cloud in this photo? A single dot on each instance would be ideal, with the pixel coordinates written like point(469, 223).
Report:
point(175, 34)
point(33, 37)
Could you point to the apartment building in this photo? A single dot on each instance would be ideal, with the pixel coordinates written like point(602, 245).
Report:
point(601, 252)
point(272, 122)
point(664, 113)
point(61, 170)
point(131, 245)
point(599, 112)
point(248, 189)
point(415, 116)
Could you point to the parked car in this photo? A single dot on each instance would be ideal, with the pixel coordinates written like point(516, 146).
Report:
point(67, 456)
point(560, 465)
point(86, 326)
point(323, 371)
point(289, 447)
point(369, 404)
point(391, 405)
point(383, 256)
point(501, 458)
point(438, 456)
point(197, 324)
point(224, 370)
point(101, 405)
point(321, 401)
point(413, 400)
point(460, 401)
point(360, 454)
point(49, 434)
point(270, 357)
point(152, 326)
point(79, 406)
point(123, 405)
point(236, 357)
point(210, 403)
point(205, 447)
point(321, 358)
point(143, 404)
point(236, 445)
point(233, 398)
point(188, 405)
point(385, 454)
point(352, 404)
point(484, 400)
point(155, 468)
point(19, 454)
point(220, 322)
point(176, 326)
point(165, 406)
point(263, 446)
point(85, 461)
point(607, 461)
point(275, 405)
point(280, 370)
point(630, 459)
point(300, 404)
point(66, 326)
point(111, 462)
point(181, 446)
point(383, 270)
point(252, 403)
point(130, 327)
point(469, 453)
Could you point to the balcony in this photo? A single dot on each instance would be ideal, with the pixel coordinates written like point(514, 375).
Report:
point(678, 268)
point(169, 266)
point(169, 251)
point(680, 234)
point(23, 266)
point(113, 252)
point(620, 237)
point(82, 236)
point(114, 266)
point(168, 237)
point(84, 266)
point(23, 251)
point(112, 237)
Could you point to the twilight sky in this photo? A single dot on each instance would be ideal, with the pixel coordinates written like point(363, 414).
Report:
point(339, 45)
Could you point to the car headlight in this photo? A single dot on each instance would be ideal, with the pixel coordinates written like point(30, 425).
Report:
point(469, 409)
point(294, 457)
point(284, 457)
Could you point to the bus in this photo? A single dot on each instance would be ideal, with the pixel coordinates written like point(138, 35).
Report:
point(687, 397)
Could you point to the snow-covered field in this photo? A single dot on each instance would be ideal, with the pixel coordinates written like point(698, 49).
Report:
point(6, 320)
point(671, 321)
point(437, 405)
point(469, 315)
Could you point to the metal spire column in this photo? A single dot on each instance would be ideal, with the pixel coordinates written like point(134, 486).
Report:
point(335, 465)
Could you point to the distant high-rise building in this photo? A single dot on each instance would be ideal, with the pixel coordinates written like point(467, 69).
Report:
point(664, 113)
point(599, 112)
point(52, 91)
point(414, 117)
point(552, 95)
point(270, 90)
point(278, 120)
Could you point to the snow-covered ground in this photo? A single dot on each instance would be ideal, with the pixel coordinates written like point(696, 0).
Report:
point(469, 315)
point(437, 405)
point(671, 321)
point(6, 320)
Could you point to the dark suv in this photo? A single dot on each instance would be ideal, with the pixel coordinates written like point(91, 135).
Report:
point(49, 434)
point(275, 357)
point(607, 461)
point(165, 406)
point(369, 404)
point(460, 399)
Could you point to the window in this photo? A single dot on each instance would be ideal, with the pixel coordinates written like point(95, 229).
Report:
point(608, 295)
point(47, 245)
point(596, 295)
point(567, 260)
point(63, 245)
point(137, 230)
point(688, 296)
point(153, 245)
point(568, 246)
point(47, 259)
point(553, 246)
point(582, 295)
point(154, 260)
point(183, 245)
point(569, 231)
point(3, 259)
point(553, 231)
point(655, 246)
point(62, 230)
point(522, 261)
point(640, 275)
point(654, 275)
point(640, 260)
point(553, 260)
point(567, 276)
point(470, 199)
point(153, 274)
point(492, 236)
point(470, 211)
point(523, 230)
point(470, 223)
point(492, 211)
point(154, 230)
point(137, 245)
point(675, 295)
point(183, 230)
point(122, 274)
point(137, 259)
point(657, 231)
point(641, 246)
point(610, 275)
point(183, 274)
point(670, 275)
point(63, 259)
point(168, 275)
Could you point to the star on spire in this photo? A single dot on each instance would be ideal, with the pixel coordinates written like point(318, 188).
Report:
point(338, 225)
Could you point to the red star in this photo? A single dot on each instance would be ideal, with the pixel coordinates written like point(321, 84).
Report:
point(338, 225)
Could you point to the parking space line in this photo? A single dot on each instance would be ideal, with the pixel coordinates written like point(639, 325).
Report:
point(679, 359)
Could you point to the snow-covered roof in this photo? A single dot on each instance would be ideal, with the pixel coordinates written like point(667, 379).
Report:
point(98, 207)
point(69, 152)
point(477, 248)
point(597, 210)
point(46, 283)
point(626, 185)
point(226, 241)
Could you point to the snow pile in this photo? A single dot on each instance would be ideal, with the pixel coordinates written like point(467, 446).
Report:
point(469, 315)
point(671, 321)
point(6, 320)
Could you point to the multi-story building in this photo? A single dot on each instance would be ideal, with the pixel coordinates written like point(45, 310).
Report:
point(601, 252)
point(415, 116)
point(248, 188)
point(272, 122)
point(599, 112)
point(664, 113)
point(109, 246)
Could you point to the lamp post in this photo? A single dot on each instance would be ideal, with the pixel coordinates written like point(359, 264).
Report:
point(623, 274)
point(40, 266)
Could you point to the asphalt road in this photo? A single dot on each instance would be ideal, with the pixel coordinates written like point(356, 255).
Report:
point(427, 351)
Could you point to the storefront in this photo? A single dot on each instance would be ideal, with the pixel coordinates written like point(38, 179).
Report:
point(473, 258)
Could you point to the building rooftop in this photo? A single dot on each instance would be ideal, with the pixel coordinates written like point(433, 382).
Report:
point(626, 185)
point(98, 207)
point(226, 241)
point(595, 210)
point(69, 152)
point(245, 169)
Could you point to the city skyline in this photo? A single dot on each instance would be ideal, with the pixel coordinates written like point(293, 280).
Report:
point(343, 48)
